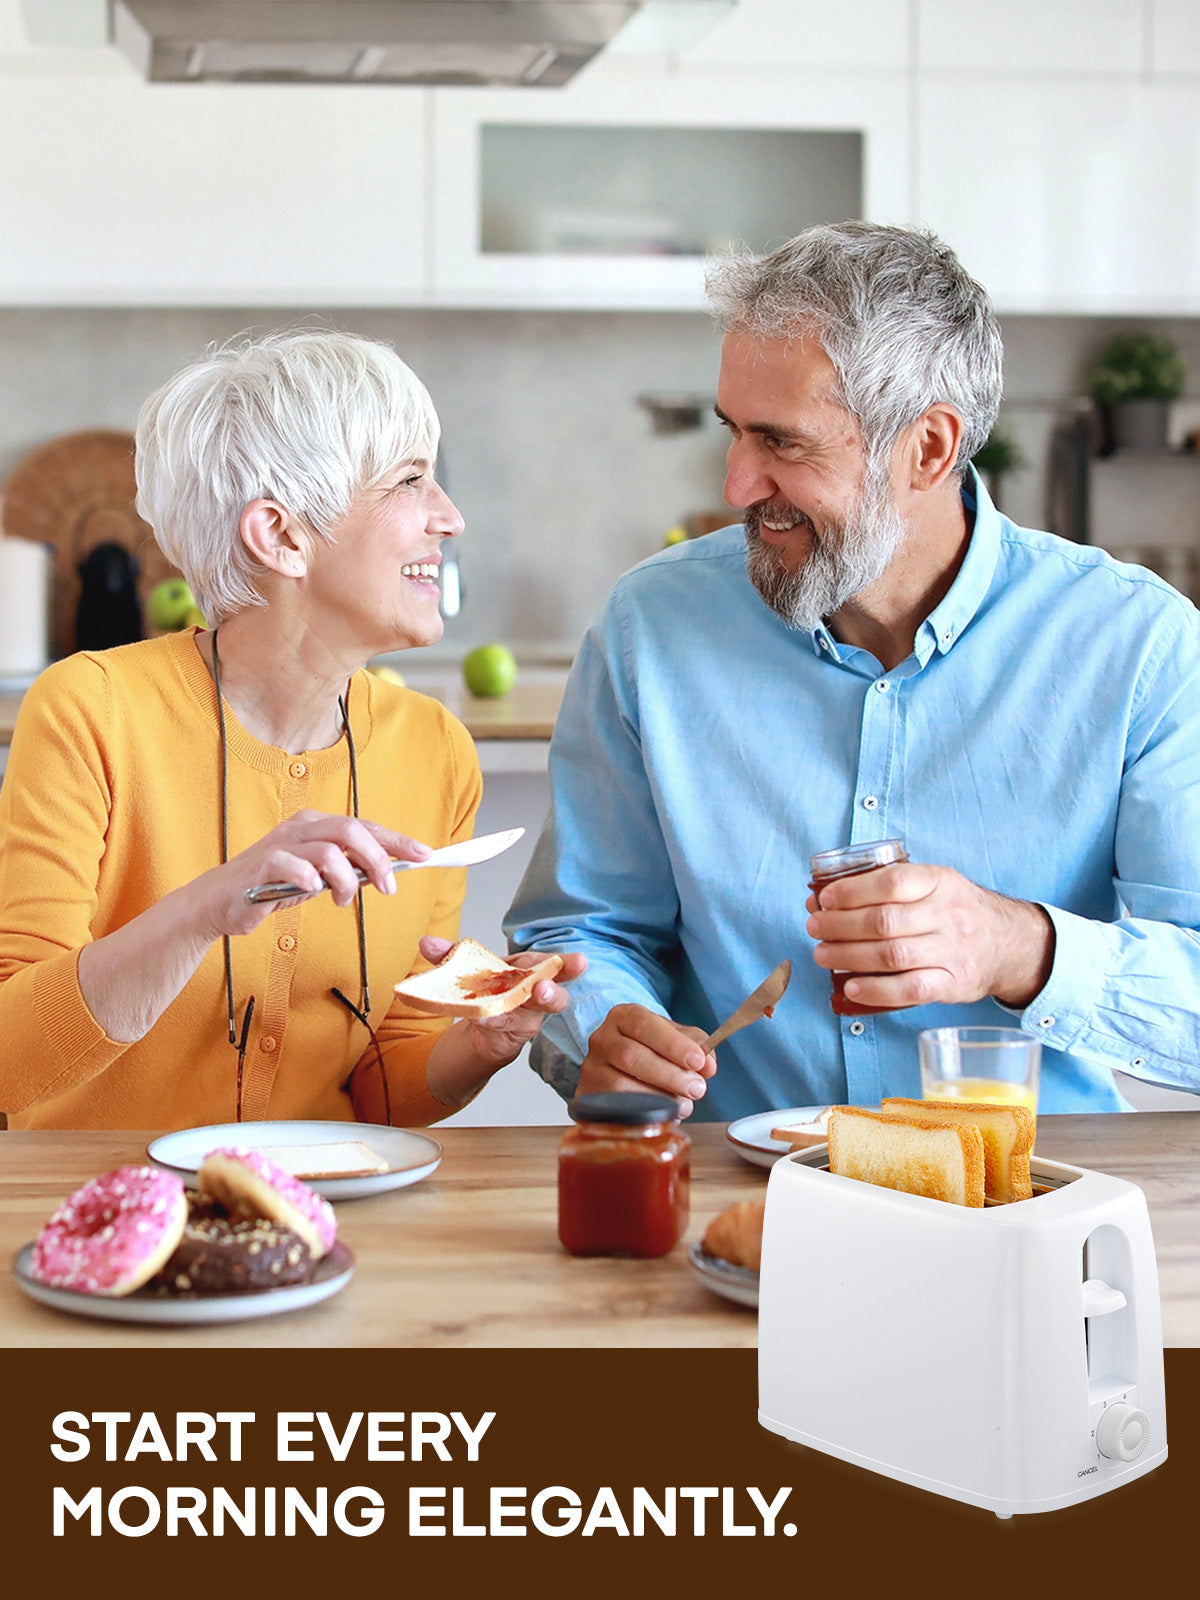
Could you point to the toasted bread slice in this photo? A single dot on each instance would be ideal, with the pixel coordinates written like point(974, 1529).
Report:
point(940, 1161)
point(348, 1158)
point(803, 1135)
point(469, 981)
point(1007, 1139)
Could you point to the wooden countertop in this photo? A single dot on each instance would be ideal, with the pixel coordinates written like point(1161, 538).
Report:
point(527, 713)
point(470, 1258)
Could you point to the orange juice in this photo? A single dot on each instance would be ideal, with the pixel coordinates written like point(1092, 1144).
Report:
point(995, 1090)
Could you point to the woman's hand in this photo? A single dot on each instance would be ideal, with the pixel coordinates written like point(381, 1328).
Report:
point(311, 849)
point(468, 1054)
point(129, 978)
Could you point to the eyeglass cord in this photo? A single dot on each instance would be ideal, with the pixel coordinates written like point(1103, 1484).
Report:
point(362, 1011)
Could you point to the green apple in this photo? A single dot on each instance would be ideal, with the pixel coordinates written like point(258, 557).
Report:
point(169, 603)
point(388, 674)
point(193, 617)
point(490, 670)
point(675, 535)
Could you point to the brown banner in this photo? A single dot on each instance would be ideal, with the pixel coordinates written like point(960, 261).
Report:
point(598, 1468)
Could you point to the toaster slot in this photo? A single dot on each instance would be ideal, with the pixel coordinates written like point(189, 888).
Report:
point(1107, 1293)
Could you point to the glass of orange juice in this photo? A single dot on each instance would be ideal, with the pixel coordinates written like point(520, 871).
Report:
point(994, 1064)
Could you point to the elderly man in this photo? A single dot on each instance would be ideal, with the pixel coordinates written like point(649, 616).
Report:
point(878, 653)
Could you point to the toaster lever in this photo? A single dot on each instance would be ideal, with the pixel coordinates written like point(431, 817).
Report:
point(1099, 1298)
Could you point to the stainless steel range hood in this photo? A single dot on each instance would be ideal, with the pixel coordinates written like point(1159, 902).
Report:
point(539, 43)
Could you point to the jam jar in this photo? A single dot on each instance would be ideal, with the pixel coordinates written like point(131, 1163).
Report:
point(848, 862)
point(623, 1176)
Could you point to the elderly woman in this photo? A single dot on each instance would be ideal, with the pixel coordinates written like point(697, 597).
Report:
point(291, 480)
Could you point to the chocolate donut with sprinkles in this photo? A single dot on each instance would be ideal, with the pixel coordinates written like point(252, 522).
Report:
point(220, 1254)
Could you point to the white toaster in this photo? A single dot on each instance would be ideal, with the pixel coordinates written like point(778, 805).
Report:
point(1009, 1356)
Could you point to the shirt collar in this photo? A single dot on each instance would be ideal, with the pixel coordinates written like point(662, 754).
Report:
point(947, 621)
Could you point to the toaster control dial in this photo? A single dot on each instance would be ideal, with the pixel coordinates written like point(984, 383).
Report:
point(1123, 1432)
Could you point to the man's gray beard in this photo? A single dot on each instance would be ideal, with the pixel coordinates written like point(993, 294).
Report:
point(841, 563)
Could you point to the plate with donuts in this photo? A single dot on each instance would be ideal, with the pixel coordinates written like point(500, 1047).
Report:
point(339, 1160)
point(135, 1245)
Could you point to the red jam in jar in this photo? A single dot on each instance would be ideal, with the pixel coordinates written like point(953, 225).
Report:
point(623, 1176)
point(849, 862)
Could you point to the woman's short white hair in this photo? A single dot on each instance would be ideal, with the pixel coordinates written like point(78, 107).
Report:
point(308, 418)
point(902, 321)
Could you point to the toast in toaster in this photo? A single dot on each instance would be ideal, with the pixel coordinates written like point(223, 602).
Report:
point(942, 1162)
point(1007, 1140)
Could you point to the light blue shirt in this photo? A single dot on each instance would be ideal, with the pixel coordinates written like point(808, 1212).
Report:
point(1043, 739)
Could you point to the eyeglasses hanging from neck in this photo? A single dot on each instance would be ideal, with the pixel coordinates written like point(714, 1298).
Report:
point(239, 1038)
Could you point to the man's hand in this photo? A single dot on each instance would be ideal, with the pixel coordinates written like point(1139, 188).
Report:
point(920, 933)
point(636, 1049)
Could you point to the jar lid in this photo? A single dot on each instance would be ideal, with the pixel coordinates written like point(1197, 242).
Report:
point(873, 853)
point(629, 1110)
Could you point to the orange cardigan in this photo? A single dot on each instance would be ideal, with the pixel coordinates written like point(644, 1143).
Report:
point(112, 798)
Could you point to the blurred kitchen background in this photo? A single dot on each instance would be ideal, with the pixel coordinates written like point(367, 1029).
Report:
point(536, 251)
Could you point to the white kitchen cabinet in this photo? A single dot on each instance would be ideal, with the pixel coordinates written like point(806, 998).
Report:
point(1066, 195)
point(1174, 29)
point(115, 192)
point(1032, 36)
point(803, 34)
point(508, 230)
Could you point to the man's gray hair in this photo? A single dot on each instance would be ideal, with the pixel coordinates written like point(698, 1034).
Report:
point(902, 321)
point(305, 417)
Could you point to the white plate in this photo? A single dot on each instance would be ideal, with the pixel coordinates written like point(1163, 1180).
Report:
point(410, 1156)
point(333, 1272)
point(735, 1283)
point(751, 1136)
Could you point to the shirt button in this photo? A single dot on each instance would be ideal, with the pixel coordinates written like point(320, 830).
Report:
point(297, 769)
point(267, 1043)
point(882, 685)
point(287, 942)
point(1046, 1022)
point(948, 635)
point(1138, 1061)
point(870, 803)
point(858, 1027)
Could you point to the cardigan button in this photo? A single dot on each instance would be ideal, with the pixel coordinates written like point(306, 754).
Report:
point(287, 942)
point(297, 769)
point(267, 1043)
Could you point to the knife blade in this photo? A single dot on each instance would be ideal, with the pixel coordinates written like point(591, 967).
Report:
point(753, 1006)
point(466, 853)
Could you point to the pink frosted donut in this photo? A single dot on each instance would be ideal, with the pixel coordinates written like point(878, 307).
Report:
point(113, 1234)
point(245, 1182)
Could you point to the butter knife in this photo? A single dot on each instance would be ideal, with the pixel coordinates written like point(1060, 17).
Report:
point(753, 1006)
point(467, 853)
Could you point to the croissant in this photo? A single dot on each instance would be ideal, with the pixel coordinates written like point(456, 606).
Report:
point(736, 1234)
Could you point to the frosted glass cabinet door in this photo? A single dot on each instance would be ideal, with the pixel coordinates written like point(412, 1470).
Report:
point(209, 195)
point(1067, 196)
point(611, 193)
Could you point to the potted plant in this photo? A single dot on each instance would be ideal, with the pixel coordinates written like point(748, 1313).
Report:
point(1134, 381)
point(995, 458)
